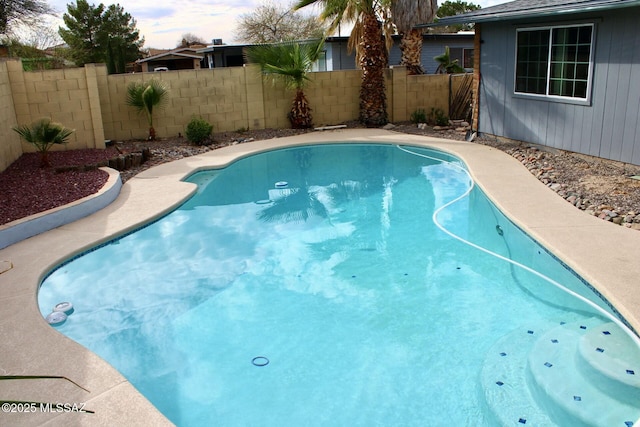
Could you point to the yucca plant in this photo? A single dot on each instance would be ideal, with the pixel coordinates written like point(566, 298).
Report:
point(290, 62)
point(145, 97)
point(44, 134)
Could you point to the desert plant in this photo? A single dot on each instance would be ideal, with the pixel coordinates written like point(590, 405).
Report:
point(447, 66)
point(419, 116)
point(198, 131)
point(438, 117)
point(43, 134)
point(368, 40)
point(290, 62)
point(145, 97)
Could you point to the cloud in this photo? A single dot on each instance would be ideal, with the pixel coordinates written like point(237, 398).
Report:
point(162, 26)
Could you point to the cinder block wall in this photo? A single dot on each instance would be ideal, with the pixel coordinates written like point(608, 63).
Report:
point(427, 92)
point(10, 148)
point(219, 96)
point(63, 96)
point(94, 103)
point(334, 97)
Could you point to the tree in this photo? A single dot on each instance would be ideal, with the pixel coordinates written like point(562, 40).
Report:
point(119, 39)
point(452, 8)
point(83, 23)
point(405, 14)
point(32, 55)
point(43, 134)
point(289, 61)
point(24, 12)
point(145, 97)
point(367, 39)
point(272, 23)
point(189, 39)
point(98, 34)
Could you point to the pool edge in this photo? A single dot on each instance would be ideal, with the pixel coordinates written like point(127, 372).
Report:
point(521, 197)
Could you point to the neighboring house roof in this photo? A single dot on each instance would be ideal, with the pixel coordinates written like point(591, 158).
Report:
point(212, 47)
point(531, 8)
point(180, 53)
point(330, 39)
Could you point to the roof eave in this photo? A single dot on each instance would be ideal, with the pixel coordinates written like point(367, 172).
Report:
point(473, 17)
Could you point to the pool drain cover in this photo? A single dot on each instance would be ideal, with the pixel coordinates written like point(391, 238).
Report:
point(260, 361)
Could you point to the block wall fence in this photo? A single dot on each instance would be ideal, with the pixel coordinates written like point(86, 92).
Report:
point(93, 103)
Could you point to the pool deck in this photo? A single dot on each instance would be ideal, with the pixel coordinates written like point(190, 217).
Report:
point(604, 254)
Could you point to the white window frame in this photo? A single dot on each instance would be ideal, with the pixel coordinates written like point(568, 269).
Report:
point(577, 100)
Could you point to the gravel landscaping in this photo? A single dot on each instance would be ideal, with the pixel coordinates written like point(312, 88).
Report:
point(598, 187)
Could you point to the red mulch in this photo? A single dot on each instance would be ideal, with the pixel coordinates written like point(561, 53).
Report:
point(27, 189)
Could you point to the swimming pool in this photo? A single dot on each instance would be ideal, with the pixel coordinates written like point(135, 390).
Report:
point(360, 307)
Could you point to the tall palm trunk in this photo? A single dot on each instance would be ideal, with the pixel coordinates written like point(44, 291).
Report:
point(411, 47)
point(373, 98)
point(300, 114)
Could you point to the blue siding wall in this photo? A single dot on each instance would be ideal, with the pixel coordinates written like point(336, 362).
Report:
point(608, 128)
point(430, 49)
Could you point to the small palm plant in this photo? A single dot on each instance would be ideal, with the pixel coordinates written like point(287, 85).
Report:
point(146, 97)
point(290, 62)
point(447, 66)
point(43, 134)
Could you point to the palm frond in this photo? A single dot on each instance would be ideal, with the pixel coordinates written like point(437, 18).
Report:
point(290, 61)
point(145, 97)
point(43, 134)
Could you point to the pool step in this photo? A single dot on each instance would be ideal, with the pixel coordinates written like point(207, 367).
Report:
point(611, 361)
point(504, 381)
point(559, 384)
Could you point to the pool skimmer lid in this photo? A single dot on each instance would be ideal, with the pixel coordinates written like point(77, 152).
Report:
point(56, 318)
point(60, 313)
point(64, 307)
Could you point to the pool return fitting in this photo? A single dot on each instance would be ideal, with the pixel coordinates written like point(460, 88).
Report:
point(260, 361)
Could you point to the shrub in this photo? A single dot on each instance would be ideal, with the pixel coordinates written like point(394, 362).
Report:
point(438, 117)
point(199, 131)
point(43, 134)
point(418, 116)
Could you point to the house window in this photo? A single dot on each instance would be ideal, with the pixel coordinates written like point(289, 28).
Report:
point(554, 61)
point(321, 62)
point(467, 55)
point(463, 55)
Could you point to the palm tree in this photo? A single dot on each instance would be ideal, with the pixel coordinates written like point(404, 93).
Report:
point(405, 14)
point(367, 39)
point(43, 134)
point(446, 65)
point(290, 62)
point(145, 97)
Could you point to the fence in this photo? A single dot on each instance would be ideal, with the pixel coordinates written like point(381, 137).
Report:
point(93, 103)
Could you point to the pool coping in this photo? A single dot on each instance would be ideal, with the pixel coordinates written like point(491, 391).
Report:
point(605, 255)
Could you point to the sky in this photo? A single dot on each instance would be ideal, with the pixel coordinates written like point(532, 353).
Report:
point(162, 23)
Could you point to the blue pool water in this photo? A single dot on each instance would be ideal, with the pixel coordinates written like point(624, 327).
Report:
point(322, 285)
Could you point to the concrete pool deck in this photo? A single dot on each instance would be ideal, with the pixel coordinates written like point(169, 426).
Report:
point(29, 346)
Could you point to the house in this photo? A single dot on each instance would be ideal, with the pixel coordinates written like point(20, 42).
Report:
point(182, 58)
point(337, 57)
point(560, 73)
